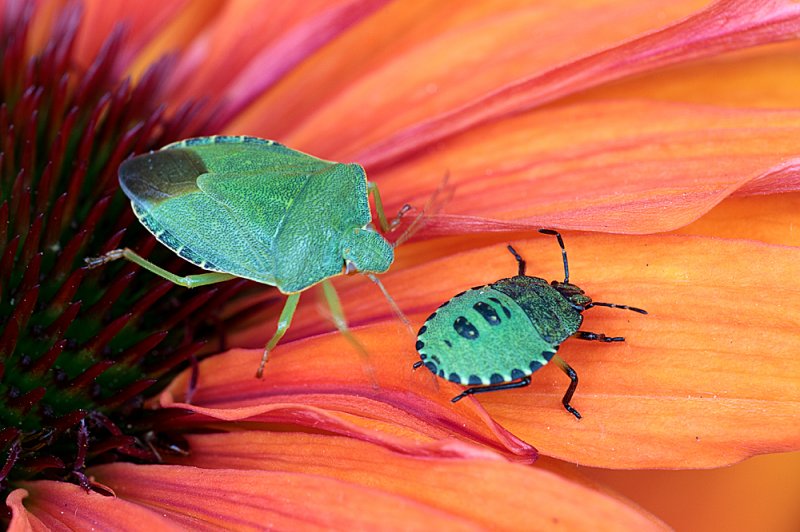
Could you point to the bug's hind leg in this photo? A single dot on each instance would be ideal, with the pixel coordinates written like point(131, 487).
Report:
point(492, 388)
point(600, 337)
point(284, 321)
point(189, 281)
point(566, 368)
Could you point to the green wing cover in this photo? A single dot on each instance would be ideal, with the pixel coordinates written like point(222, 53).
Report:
point(248, 206)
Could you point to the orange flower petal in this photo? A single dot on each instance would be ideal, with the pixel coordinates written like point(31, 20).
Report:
point(489, 493)
point(769, 219)
point(763, 77)
point(626, 167)
point(21, 519)
point(758, 494)
point(324, 384)
point(707, 379)
point(60, 505)
point(526, 56)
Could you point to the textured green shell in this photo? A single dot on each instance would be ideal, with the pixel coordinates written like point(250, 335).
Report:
point(256, 209)
point(497, 333)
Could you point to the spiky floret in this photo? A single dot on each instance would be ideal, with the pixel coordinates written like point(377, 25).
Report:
point(80, 349)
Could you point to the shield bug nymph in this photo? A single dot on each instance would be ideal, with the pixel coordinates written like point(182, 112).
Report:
point(493, 337)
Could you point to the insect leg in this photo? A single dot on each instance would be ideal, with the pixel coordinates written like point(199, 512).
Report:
point(563, 250)
point(339, 319)
point(372, 188)
point(492, 388)
point(572, 385)
point(189, 281)
point(600, 337)
point(284, 321)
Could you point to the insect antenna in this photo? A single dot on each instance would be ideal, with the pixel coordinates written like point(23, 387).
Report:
point(563, 250)
point(520, 260)
point(436, 202)
point(399, 313)
point(614, 305)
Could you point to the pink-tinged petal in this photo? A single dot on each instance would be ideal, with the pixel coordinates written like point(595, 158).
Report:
point(616, 166)
point(142, 24)
point(706, 379)
point(256, 500)
point(519, 57)
point(490, 493)
point(64, 506)
point(326, 384)
point(21, 519)
point(252, 44)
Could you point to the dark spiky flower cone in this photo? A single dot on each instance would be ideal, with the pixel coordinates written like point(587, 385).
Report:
point(80, 349)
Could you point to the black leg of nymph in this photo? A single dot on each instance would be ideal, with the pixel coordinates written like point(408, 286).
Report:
point(572, 385)
point(600, 337)
point(492, 388)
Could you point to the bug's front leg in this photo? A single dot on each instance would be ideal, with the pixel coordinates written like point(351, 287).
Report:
point(599, 337)
point(372, 188)
point(284, 321)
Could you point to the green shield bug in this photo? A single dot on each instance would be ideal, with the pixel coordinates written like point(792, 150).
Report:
point(252, 208)
point(493, 337)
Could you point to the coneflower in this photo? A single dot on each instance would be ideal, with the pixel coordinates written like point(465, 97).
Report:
point(663, 142)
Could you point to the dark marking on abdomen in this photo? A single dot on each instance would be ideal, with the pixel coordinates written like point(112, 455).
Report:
point(488, 313)
point(464, 328)
point(505, 310)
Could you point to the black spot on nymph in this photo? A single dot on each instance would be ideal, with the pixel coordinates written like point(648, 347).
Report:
point(420, 344)
point(505, 310)
point(465, 329)
point(488, 313)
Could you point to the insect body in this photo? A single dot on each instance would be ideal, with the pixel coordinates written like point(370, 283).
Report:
point(493, 337)
point(253, 208)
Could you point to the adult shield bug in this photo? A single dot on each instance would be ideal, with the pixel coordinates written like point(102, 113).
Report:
point(252, 208)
